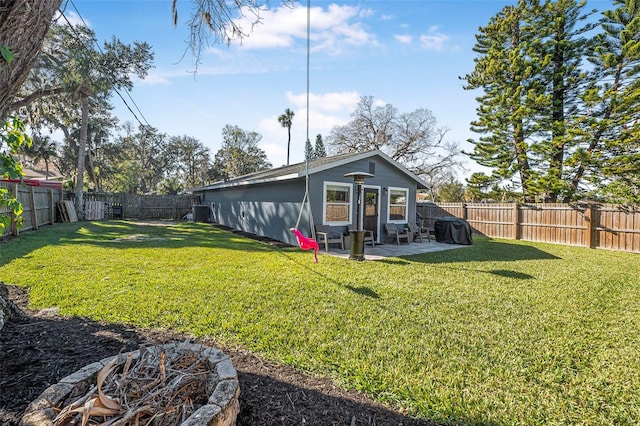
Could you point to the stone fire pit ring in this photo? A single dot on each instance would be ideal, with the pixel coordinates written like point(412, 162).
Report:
point(221, 408)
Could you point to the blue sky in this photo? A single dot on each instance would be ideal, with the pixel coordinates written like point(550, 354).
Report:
point(408, 53)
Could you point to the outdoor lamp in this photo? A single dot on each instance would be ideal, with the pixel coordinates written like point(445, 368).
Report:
point(358, 177)
point(356, 251)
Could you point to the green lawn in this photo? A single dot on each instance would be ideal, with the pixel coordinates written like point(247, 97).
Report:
point(500, 333)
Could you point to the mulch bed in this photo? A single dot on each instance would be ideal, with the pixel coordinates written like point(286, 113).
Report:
point(40, 349)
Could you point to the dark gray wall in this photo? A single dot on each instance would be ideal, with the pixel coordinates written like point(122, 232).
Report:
point(386, 175)
point(271, 209)
point(264, 209)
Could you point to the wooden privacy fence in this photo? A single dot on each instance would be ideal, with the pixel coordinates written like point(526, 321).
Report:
point(136, 206)
point(606, 226)
point(39, 204)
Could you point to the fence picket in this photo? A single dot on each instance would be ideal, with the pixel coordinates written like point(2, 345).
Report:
point(605, 226)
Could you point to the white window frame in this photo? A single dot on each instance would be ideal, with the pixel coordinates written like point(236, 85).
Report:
point(349, 186)
point(406, 205)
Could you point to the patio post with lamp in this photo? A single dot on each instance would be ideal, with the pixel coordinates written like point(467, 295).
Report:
point(356, 250)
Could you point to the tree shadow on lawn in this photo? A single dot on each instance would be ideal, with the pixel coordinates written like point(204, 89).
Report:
point(175, 235)
point(483, 250)
point(123, 235)
point(42, 348)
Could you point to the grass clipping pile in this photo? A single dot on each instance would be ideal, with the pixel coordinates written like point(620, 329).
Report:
point(158, 388)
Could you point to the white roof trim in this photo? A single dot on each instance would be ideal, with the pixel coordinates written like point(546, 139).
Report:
point(248, 182)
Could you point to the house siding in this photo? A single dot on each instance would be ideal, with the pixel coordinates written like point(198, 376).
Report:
point(271, 209)
point(386, 175)
point(265, 209)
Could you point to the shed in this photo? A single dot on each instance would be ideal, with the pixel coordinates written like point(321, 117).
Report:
point(267, 203)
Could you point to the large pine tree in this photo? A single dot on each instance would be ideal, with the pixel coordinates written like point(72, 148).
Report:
point(561, 49)
point(529, 68)
point(505, 112)
point(608, 157)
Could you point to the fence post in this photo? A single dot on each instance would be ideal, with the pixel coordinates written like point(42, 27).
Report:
point(589, 228)
point(32, 201)
point(51, 206)
point(516, 221)
point(464, 211)
point(14, 219)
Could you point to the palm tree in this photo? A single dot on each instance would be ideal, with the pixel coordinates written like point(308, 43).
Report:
point(42, 148)
point(286, 120)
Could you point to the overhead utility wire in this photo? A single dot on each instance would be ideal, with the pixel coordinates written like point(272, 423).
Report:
point(79, 38)
point(308, 59)
point(119, 94)
point(116, 90)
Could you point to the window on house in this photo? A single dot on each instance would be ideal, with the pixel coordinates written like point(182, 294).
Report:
point(398, 205)
point(337, 204)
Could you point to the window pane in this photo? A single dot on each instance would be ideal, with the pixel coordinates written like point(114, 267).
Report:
point(398, 205)
point(337, 203)
point(337, 194)
point(398, 197)
point(337, 213)
point(397, 213)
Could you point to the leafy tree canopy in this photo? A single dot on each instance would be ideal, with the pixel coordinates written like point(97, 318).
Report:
point(239, 154)
point(12, 139)
point(413, 139)
point(558, 116)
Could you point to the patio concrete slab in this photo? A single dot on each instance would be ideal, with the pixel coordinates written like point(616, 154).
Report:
point(382, 251)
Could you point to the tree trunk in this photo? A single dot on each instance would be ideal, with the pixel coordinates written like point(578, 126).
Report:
point(82, 145)
point(288, 143)
point(8, 309)
point(23, 27)
point(558, 119)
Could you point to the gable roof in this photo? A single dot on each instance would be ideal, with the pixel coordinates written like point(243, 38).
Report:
point(296, 171)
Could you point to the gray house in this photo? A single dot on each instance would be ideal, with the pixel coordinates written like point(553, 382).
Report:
point(268, 203)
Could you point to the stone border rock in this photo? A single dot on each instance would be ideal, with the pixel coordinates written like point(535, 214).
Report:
point(221, 409)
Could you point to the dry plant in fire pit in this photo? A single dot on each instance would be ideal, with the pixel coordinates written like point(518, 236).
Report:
point(158, 387)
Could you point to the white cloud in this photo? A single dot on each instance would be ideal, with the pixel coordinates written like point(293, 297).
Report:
point(379, 103)
point(72, 18)
point(403, 38)
point(434, 40)
point(331, 29)
point(335, 102)
point(152, 79)
point(220, 53)
point(227, 68)
point(325, 111)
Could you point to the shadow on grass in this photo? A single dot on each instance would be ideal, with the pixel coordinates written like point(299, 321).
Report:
point(363, 291)
point(511, 274)
point(128, 234)
point(41, 349)
point(483, 250)
point(506, 273)
point(394, 261)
